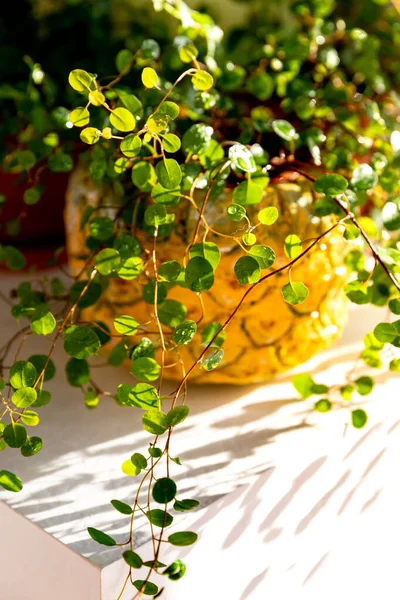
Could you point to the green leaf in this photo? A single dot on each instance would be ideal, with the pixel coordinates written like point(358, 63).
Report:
point(30, 418)
point(60, 163)
point(139, 460)
point(177, 415)
point(183, 538)
point(130, 469)
point(385, 332)
point(123, 60)
point(79, 116)
point(80, 80)
point(155, 421)
point(100, 537)
point(132, 559)
point(91, 399)
point(131, 145)
point(169, 173)
point(107, 261)
point(188, 52)
point(293, 246)
point(331, 185)
point(126, 325)
point(43, 321)
point(13, 258)
point(247, 270)
point(146, 587)
point(248, 193)
point(261, 85)
point(24, 397)
point(184, 333)
point(122, 119)
point(207, 250)
point(394, 306)
point(185, 505)
point(264, 255)
point(155, 452)
point(122, 507)
point(235, 212)
point(33, 195)
point(159, 518)
point(156, 215)
point(143, 395)
point(171, 313)
point(197, 138)
point(169, 270)
point(394, 365)
point(171, 142)
point(96, 98)
point(364, 385)
point(242, 159)
point(303, 383)
point(358, 292)
point(364, 177)
point(91, 295)
point(81, 341)
point(131, 268)
point(146, 368)
point(101, 228)
point(32, 446)
point(284, 129)
point(323, 405)
point(77, 372)
point(295, 292)
point(209, 331)
point(15, 435)
point(22, 374)
point(202, 80)
point(90, 135)
point(149, 77)
point(164, 490)
point(43, 398)
point(10, 482)
point(168, 109)
point(39, 361)
point(359, 418)
point(268, 216)
point(199, 274)
point(150, 49)
point(249, 238)
point(212, 360)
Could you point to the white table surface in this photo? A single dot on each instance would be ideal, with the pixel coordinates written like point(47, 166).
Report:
point(232, 435)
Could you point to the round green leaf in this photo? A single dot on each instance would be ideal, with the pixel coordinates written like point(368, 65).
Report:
point(43, 398)
point(39, 361)
point(295, 292)
point(323, 405)
point(77, 372)
point(81, 341)
point(207, 250)
point(123, 59)
point(264, 255)
point(364, 177)
point(247, 270)
point(184, 333)
point(146, 587)
point(169, 270)
point(197, 138)
point(171, 312)
point(236, 212)
point(202, 80)
point(146, 368)
point(156, 215)
point(242, 159)
point(100, 537)
point(164, 490)
point(359, 418)
point(385, 332)
point(139, 460)
point(185, 505)
point(188, 52)
point(14, 435)
point(101, 228)
point(183, 538)
point(43, 321)
point(143, 395)
point(210, 331)
point(169, 173)
point(79, 116)
point(364, 385)
point(177, 415)
point(132, 559)
point(131, 268)
point(24, 397)
point(154, 421)
point(22, 374)
point(199, 274)
point(247, 193)
point(331, 185)
point(10, 482)
point(128, 468)
point(149, 77)
point(131, 145)
point(80, 80)
point(268, 216)
point(122, 507)
point(90, 135)
point(171, 142)
point(159, 518)
point(394, 306)
point(107, 261)
point(32, 446)
point(30, 418)
point(122, 119)
point(212, 360)
point(284, 129)
point(169, 109)
point(293, 246)
point(126, 325)
point(91, 295)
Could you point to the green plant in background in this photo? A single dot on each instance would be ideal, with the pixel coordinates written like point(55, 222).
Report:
point(174, 128)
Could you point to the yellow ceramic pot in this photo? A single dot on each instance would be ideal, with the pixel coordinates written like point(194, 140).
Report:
point(268, 335)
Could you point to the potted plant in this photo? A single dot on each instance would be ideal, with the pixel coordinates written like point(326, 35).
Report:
point(231, 202)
